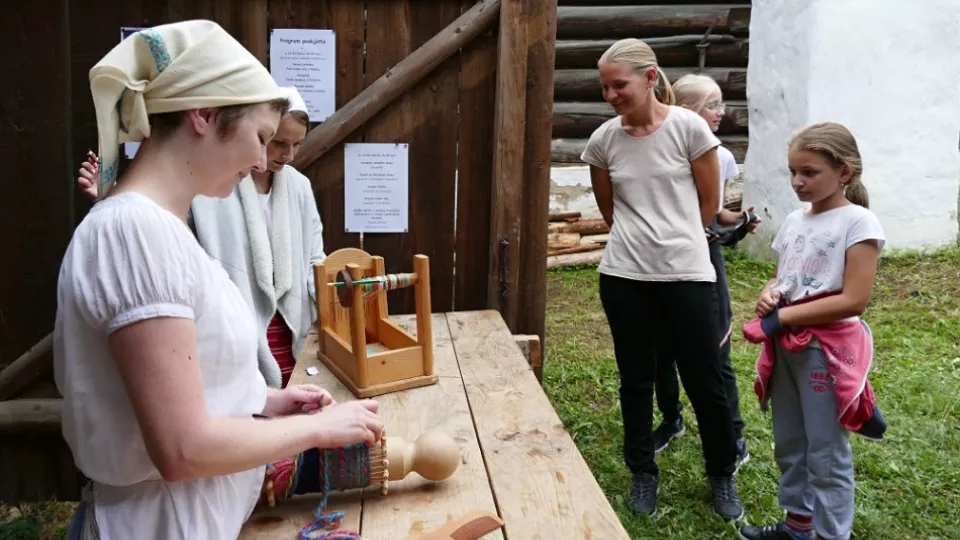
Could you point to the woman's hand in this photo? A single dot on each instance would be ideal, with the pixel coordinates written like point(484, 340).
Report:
point(767, 302)
point(301, 398)
point(349, 422)
point(87, 177)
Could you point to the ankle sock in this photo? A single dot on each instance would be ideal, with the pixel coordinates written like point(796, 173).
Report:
point(799, 527)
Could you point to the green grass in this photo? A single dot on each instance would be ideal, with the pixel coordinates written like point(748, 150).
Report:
point(908, 486)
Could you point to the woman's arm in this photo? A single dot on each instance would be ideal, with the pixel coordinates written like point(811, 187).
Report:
point(603, 192)
point(158, 362)
point(858, 279)
point(706, 171)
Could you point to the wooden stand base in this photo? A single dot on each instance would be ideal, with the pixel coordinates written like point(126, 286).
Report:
point(376, 389)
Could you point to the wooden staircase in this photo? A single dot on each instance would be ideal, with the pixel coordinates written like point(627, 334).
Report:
point(686, 35)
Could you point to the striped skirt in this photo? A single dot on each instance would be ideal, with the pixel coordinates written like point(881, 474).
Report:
point(280, 341)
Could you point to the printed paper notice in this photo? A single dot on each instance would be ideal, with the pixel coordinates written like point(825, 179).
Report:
point(306, 59)
point(376, 187)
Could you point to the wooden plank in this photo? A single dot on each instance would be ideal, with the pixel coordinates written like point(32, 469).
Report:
point(478, 84)
point(509, 133)
point(584, 84)
point(570, 150)
point(541, 43)
point(606, 22)
point(575, 259)
point(425, 118)
point(34, 146)
point(577, 120)
point(287, 518)
point(414, 506)
point(543, 486)
point(37, 467)
point(26, 369)
point(346, 17)
point(673, 51)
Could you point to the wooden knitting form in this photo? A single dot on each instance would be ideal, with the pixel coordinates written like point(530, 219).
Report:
point(357, 342)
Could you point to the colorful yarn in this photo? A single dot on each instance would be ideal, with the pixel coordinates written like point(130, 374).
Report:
point(389, 282)
point(340, 469)
point(280, 479)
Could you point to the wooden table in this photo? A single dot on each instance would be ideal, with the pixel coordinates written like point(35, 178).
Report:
point(517, 459)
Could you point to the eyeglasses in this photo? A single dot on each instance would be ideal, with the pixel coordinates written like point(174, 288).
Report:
point(715, 106)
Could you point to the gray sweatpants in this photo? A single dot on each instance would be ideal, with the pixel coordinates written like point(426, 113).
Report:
point(812, 449)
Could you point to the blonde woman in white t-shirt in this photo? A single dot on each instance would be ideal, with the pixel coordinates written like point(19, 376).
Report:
point(817, 352)
point(702, 95)
point(654, 171)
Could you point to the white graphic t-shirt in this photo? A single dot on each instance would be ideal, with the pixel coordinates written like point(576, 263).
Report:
point(812, 249)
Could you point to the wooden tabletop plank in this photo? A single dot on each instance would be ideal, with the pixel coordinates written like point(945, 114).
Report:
point(415, 506)
point(287, 518)
point(541, 482)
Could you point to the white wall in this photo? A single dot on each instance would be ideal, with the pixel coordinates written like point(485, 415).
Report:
point(889, 70)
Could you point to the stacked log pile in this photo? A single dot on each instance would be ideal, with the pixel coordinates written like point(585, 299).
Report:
point(677, 30)
point(572, 240)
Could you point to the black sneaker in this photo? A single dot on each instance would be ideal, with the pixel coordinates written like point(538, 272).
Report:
point(743, 455)
point(666, 432)
point(772, 532)
point(643, 494)
point(726, 500)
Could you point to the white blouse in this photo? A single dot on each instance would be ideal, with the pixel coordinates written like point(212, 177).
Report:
point(131, 260)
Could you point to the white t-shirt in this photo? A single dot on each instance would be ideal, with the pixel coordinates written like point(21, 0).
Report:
point(657, 234)
point(728, 170)
point(812, 248)
point(131, 260)
point(267, 209)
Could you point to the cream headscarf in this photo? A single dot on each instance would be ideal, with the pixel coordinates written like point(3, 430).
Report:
point(296, 100)
point(168, 68)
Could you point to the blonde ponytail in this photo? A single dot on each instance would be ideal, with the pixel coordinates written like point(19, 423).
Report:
point(663, 90)
point(639, 57)
point(837, 145)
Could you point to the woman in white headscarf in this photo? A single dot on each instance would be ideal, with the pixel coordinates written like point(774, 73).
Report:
point(155, 349)
point(267, 235)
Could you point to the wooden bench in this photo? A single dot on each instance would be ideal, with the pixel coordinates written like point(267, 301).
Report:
point(518, 460)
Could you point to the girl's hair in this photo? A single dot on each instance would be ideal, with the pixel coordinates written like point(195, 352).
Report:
point(692, 91)
point(838, 146)
point(639, 57)
point(301, 117)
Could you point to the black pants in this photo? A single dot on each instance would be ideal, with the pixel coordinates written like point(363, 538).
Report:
point(681, 317)
point(668, 388)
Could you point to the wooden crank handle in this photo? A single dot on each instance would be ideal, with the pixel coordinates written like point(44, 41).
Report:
point(434, 456)
point(345, 293)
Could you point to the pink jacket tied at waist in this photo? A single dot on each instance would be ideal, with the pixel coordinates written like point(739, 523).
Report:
point(848, 348)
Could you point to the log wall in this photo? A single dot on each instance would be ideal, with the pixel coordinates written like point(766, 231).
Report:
point(673, 28)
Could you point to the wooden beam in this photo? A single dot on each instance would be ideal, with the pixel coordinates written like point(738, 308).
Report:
point(584, 84)
point(396, 81)
point(30, 416)
point(253, 26)
point(508, 160)
point(541, 25)
point(605, 22)
point(577, 120)
point(569, 150)
point(24, 370)
point(724, 50)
